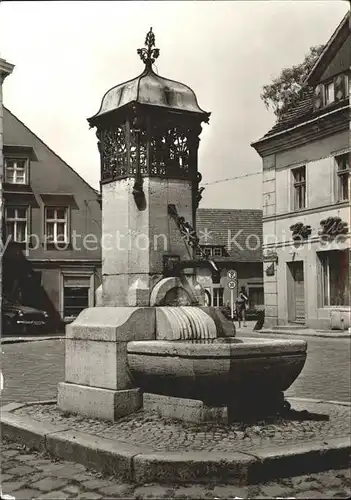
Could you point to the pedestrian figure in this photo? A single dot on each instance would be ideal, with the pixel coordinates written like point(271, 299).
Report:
point(241, 305)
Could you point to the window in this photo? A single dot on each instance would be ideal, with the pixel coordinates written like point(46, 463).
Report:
point(299, 180)
point(217, 252)
point(16, 223)
point(329, 94)
point(56, 225)
point(335, 278)
point(198, 252)
point(343, 172)
point(75, 299)
point(210, 252)
point(16, 170)
point(218, 297)
point(256, 297)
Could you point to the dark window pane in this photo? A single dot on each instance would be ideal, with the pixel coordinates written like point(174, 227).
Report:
point(50, 213)
point(10, 229)
point(10, 212)
point(60, 213)
point(60, 231)
point(10, 176)
point(75, 300)
point(343, 162)
point(218, 297)
point(344, 181)
point(256, 297)
point(21, 232)
point(21, 213)
point(9, 163)
point(50, 230)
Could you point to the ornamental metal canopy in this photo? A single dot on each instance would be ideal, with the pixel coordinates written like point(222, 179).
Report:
point(150, 89)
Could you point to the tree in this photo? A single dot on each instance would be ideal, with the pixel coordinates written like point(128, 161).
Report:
point(286, 90)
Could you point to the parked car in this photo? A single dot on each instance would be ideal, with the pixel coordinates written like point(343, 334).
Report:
point(20, 319)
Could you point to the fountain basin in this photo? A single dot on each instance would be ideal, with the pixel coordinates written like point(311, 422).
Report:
point(216, 373)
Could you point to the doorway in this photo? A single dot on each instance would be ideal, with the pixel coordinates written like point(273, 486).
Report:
point(296, 292)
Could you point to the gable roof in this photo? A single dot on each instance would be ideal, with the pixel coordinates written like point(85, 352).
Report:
point(304, 111)
point(239, 231)
point(334, 44)
point(11, 140)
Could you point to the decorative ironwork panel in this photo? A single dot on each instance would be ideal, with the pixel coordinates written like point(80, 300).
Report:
point(114, 153)
point(170, 152)
point(332, 227)
point(141, 137)
point(300, 231)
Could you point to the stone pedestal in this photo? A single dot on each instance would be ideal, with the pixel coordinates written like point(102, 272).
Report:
point(136, 241)
point(96, 402)
point(97, 379)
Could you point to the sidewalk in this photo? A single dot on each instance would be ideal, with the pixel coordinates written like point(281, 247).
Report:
point(7, 339)
point(145, 448)
point(306, 332)
point(29, 474)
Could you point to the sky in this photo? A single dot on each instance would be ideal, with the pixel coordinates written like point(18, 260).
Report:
point(68, 54)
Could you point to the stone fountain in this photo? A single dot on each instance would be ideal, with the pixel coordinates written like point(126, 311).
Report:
point(151, 343)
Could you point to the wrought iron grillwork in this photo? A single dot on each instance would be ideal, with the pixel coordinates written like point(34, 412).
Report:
point(114, 153)
point(189, 236)
point(149, 54)
point(142, 140)
point(332, 227)
point(170, 152)
point(163, 151)
point(300, 231)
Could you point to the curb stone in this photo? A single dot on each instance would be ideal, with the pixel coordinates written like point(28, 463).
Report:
point(141, 466)
point(316, 401)
point(19, 340)
point(319, 334)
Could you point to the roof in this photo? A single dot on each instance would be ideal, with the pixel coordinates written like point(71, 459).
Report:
point(319, 65)
point(153, 90)
point(296, 114)
point(150, 89)
point(11, 139)
point(303, 110)
point(239, 231)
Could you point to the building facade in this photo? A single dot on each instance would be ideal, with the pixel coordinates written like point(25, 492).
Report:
point(5, 70)
point(306, 198)
point(52, 220)
point(233, 240)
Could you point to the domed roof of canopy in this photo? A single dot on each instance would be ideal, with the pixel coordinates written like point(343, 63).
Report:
point(151, 89)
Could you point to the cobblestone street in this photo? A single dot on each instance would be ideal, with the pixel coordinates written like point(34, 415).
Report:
point(27, 475)
point(32, 370)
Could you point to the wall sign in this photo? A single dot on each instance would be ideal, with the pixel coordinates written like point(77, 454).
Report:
point(270, 256)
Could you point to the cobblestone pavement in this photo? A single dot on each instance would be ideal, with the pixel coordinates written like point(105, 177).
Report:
point(33, 369)
point(162, 435)
point(27, 474)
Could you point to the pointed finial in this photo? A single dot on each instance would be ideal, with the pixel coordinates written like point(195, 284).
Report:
point(149, 55)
